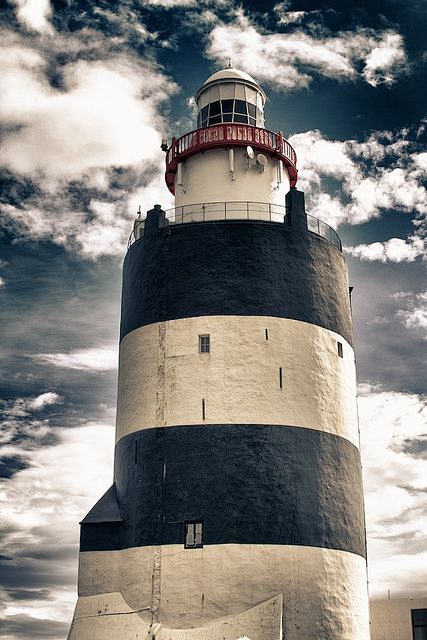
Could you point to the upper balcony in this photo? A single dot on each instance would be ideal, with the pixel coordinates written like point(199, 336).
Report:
point(243, 211)
point(229, 136)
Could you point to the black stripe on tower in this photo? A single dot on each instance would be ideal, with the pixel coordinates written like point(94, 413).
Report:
point(234, 268)
point(250, 484)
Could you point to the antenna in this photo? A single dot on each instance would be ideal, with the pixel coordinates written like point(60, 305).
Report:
point(139, 212)
point(229, 63)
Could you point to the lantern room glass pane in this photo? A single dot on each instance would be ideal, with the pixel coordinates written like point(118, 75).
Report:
point(227, 106)
point(215, 108)
point(240, 106)
point(240, 118)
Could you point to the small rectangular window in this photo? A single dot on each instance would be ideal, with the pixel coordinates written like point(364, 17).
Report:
point(281, 377)
point(193, 535)
point(203, 409)
point(340, 351)
point(266, 334)
point(204, 343)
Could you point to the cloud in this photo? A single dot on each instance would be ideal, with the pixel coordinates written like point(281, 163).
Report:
point(414, 316)
point(41, 507)
point(34, 15)
point(2, 282)
point(393, 250)
point(103, 115)
point(99, 128)
point(395, 490)
point(21, 407)
point(44, 400)
point(376, 175)
point(291, 60)
point(94, 359)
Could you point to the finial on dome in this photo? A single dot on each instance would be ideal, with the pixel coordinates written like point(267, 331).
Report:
point(229, 63)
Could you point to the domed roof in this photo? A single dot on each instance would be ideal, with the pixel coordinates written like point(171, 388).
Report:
point(230, 74)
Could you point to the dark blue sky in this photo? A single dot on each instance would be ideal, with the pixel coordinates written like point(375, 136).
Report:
point(87, 91)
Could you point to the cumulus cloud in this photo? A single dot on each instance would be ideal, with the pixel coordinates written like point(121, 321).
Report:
point(414, 315)
point(105, 114)
point(41, 507)
point(376, 175)
point(34, 14)
point(393, 427)
point(290, 60)
point(2, 282)
point(392, 250)
point(44, 400)
point(94, 359)
point(99, 130)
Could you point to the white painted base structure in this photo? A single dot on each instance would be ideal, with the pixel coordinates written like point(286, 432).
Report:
point(321, 590)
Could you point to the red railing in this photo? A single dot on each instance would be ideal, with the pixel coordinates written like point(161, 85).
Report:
point(229, 135)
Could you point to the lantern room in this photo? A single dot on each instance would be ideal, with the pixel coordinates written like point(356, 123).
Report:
point(230, 95)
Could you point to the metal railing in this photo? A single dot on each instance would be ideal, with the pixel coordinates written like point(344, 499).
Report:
point(243, 210)
point(211, 211)
point(324, 230)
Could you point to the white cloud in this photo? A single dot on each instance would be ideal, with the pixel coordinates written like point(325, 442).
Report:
point(393, 427)
point(94, 359)
point(41, 508)
point(44, 400)
point(375, 175)
point(289, 60)
point(384, 62)
point(34, 14)
point(415, 314)
point(393, 250)
point(22, 407)
point(2, 282)
point(105, 115)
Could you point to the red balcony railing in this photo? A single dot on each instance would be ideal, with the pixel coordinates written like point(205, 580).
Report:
point(229, 135)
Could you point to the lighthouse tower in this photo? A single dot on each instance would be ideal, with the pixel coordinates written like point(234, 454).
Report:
point(236, 509)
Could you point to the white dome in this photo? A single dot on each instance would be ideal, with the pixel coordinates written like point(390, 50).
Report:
point(230, 75)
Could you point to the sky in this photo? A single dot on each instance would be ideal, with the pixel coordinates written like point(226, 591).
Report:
point(87, 91)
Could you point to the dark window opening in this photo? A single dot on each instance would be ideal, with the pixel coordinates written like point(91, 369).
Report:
point(227, 106)
point(340, 351)
point(240, 118)
point(266, 334)
point(214, 119)
point(215, 108)
point(419, 624)
point(240, 106)
point(227, 117)
point(252, 110)
point(203, 409)
point(204, 343)
point(193, 535)
point(281, 377)
point(204, 113)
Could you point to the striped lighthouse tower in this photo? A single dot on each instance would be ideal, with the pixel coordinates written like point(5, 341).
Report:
point(236, 509)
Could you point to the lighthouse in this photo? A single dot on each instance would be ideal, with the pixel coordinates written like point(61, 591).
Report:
point(236, 510)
